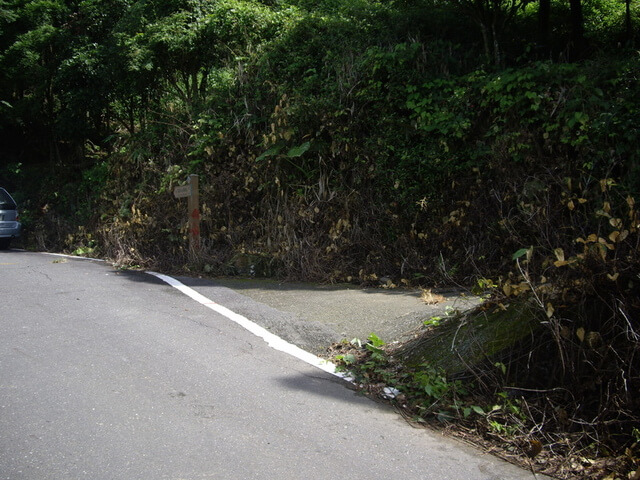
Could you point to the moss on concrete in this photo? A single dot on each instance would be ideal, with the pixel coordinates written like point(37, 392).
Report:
point(468, 339)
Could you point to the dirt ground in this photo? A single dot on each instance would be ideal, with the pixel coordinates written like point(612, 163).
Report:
point(348, 312)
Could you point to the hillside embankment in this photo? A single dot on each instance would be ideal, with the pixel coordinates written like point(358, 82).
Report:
point(402, 144)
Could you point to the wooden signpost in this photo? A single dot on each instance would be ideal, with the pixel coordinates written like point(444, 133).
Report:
point(190, 191)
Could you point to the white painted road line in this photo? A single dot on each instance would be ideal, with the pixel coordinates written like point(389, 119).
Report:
point(272, 340)
point(64, 255)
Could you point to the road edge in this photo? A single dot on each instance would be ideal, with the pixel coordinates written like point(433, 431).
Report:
point(271, 339)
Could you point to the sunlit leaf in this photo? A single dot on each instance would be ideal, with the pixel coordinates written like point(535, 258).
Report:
point(615, 222)
point(631, 201)
point(375, 340)
point(550, 310)
point(603, 241)
point(603, 252)
point(606, 183)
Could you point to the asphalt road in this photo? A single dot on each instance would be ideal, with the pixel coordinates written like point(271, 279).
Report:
point(117, 375)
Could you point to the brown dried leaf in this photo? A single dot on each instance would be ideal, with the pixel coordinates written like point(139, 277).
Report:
point(533, 448)
point(593, 339)
point(431, 298)
point(631, 201)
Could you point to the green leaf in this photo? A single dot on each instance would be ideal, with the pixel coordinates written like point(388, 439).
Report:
point(479, 410)
point(299, 150)
point(376, 340)
point(269, 153)
point(433, 322)
point(520, 253)
point(349, 358)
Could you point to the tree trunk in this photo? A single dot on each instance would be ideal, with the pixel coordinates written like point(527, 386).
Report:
point(544, 26)
point(627, 24)
point(485, 41)
point(497, 58)
point(578, 42)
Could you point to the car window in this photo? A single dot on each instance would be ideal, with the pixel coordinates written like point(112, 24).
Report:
point(6, 202)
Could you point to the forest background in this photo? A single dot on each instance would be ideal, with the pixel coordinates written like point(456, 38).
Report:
point(483, 143)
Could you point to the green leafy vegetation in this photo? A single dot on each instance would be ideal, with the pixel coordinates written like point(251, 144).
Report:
point(487, 144)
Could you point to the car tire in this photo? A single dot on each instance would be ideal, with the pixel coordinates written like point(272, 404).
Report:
point(4, 243)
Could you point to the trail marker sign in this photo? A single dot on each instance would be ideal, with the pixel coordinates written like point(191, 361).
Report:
point(182, 191)
point(190, 192)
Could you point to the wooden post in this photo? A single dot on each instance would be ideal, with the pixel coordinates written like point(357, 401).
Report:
point(194, 213)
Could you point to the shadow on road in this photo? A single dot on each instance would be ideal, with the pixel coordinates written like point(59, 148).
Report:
point(268, 284)
point(319, 386)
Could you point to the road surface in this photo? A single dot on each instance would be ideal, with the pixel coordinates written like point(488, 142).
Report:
point(108, 374)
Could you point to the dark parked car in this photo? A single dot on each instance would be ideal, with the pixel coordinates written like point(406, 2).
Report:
point(10, 227)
